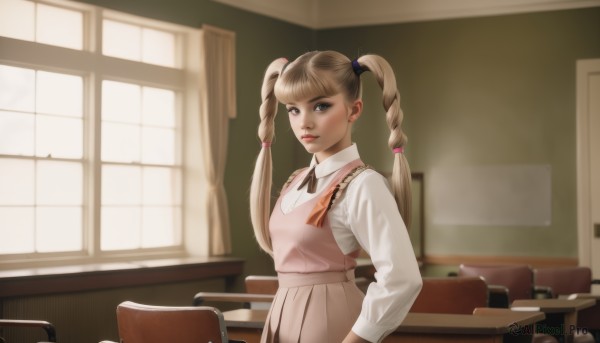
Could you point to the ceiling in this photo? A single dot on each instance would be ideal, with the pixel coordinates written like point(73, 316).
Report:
point(323, 14)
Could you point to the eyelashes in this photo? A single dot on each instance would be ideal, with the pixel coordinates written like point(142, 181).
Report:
point(293, 111)
point(323, 106)
point(319, 107)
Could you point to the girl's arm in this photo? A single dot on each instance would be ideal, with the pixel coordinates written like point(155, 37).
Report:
point(373, 217)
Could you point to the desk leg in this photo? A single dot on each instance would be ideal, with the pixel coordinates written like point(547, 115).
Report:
point(570, 323)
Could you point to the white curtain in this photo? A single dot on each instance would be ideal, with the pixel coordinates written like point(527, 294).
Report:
point(217, 106)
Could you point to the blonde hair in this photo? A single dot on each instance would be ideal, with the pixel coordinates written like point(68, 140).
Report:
point(323, 73)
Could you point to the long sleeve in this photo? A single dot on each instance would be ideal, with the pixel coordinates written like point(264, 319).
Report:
point(373, 217)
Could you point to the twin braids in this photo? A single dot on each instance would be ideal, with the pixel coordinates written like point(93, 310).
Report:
point(323, 73)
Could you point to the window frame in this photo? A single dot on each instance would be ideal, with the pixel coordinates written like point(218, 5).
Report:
point(94, 67)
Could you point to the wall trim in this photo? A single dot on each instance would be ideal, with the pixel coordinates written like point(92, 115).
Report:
point(533, 261)
point(324, 14)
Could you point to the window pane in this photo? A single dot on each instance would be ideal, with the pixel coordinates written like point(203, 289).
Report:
point(59, 94)
point(58, 229)
point(16, 133)
point(161, 186)
point(159, 107)
point(121, 185)
point(16, 19)
point(59, 26)
point(17, 88)
point(59, 137)
point(16, 230)
point(17, 182)
point(121, 102)
point(120, 143)
point(121, 40)
point(120, 228)
point(159, 227)
point(158, 47)
point(158, 146)
point(59, 183)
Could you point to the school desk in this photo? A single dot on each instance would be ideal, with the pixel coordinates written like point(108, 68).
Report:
point(565, 310)
point(246, 324)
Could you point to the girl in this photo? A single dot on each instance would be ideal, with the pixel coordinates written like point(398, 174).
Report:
point(327, 212)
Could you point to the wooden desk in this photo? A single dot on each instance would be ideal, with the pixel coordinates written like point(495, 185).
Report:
point(247, 325)
point(565, 309)
point(580, 296)
point(588, 318)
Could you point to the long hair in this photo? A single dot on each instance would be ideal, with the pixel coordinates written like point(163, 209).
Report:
point(323, 73)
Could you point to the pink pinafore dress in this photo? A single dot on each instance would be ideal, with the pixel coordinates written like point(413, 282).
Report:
point(317, 300)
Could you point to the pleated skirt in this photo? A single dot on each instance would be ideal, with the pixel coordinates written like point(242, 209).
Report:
point(313, 308)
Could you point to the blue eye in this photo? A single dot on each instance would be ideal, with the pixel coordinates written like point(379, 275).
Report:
point(321, 107)
point(293, 111)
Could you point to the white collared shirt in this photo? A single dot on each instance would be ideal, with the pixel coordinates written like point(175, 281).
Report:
point(366, 216)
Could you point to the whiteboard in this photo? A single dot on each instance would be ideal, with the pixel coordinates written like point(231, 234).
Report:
point(511, 195)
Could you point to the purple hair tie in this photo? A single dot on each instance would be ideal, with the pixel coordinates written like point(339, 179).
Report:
point(266, 144)
point(398, 150)
point(356, 67)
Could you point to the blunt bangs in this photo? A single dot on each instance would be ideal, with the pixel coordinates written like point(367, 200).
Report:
point(298, 83)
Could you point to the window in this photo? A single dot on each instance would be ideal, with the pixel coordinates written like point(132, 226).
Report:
point(41, 140)
point(91, 137)
point(141, 198)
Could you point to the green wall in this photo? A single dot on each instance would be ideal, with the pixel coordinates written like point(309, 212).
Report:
point(483, 91)
point(494, 90)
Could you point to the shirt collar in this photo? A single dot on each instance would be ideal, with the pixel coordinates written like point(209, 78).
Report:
point(335, 162)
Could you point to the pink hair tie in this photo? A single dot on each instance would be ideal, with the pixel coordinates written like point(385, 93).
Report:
point(266, 144)
point(398, 150)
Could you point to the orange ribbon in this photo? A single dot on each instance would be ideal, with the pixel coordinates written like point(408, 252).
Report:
point(319, 212)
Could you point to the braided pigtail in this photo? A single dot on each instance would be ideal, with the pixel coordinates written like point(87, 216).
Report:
point(401, 178)
point(260, 190)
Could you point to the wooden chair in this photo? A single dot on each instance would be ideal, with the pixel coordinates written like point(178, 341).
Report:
point(451, 295)
point(261, 284)
point(140, 323)
point(574, 282)
point(505, 282)
point(40, 324)
point(552, 282)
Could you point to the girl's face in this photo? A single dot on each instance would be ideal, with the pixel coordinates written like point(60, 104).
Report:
point(324, 124)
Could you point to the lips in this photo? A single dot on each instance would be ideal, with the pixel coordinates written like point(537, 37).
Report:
point(309, 138)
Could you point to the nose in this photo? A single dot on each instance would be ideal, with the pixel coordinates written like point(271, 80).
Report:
point(306, 121)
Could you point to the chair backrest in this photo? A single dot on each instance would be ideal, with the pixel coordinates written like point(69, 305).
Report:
point(25, 323)
point(139, 323)
point(259, 284)
point(458, 295)
point(564, 280)
point(518, 279)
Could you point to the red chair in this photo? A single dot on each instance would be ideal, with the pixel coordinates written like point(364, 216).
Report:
point(574, 282)
point(44, 325)
point(563, 280)
point(139, 323)
point(506, 282)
